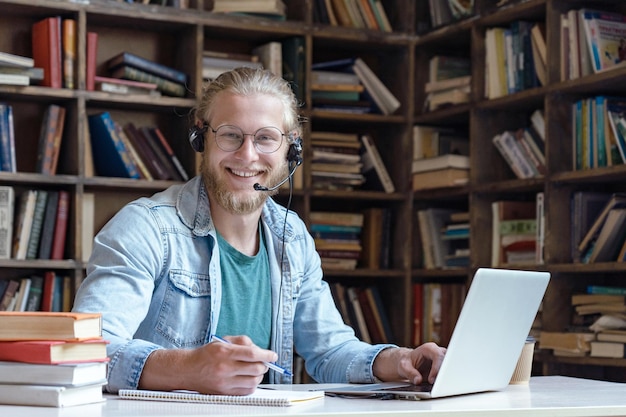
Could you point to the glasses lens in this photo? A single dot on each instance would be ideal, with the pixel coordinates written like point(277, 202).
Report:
point(268, 139)
point(229, 138)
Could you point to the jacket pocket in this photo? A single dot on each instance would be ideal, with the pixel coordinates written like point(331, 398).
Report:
point(184, 317)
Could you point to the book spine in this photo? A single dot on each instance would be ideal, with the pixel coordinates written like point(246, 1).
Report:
point(60, 228)
point(47, 232)
point(165, 86)
point(90, 67)
point(170, 152)
point(35, 232)
point(7, 201)
point(154, 68)
point(24, 224)
point(69, 52)
point(145, 151)
point(46, 45)
point(164, 161)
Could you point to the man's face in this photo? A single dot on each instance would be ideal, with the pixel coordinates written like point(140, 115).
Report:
point(230, 176)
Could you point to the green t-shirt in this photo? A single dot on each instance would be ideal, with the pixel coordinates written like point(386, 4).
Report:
point(246, 293)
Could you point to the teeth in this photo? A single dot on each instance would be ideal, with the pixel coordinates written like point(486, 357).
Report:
point(244, 173)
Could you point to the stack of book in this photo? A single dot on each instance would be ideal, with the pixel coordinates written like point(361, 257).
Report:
point(337, 238)
point(169, 81)
point(440, 157)
point(275, 9)
point(515, 233)
point(19, 70)
point(215, 62)
point(444, 237)
point(336, 162)
point(51, 359)
point(355, 14)
point(335, 92)
point(448, 82)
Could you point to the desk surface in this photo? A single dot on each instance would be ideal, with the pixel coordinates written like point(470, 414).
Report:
point(544, 396)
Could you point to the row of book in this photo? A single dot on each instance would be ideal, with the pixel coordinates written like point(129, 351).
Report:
point(444, 237)
point(440, 157)
point(592, 40)
point(515, 58)
point(599, 132)
point(358, 14)
point(524, 149)
point(517, 231)
point(350, 85)
point(34, 223)
point(436, 308)
point(362, 308)
point(46, 361)
point(132, 152)
point(443, 12)
point(598, 227)
point(47, 292)
point(597, 325)
point(274, 9)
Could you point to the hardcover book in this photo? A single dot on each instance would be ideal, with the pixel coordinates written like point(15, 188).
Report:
point(46, 44)
point(111, 157)
point(75, 374)
point(50, 395)
point(38, 325)
point(144, 64)
point(53, 351)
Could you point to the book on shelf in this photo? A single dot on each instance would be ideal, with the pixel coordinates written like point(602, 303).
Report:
point(590, 298)
point(178, 168)
point(34, 74)
point(17, 61)
point(438, 99)
point(447, 84)
point(39, 325)
point(270, 56)
point(431, 222)
point(570, 342)
point(8, 297)
point(133, 155)
point(54, 351)
point(440, 178)
point(264, 7)
point(14, 79)
point(35, 231)
point(605, 33)
point(69, 52)
point(21, 295)
point(50, 137)
point(612, 335)
point(46, 47)
point(110, 155)
point(23, 223)
point(374, 168)
point(607, 245)
point(440, 162)
point(540, 52)
point(57, 250)
point(514, 155)
point(337, 218)
point(122, 86)
point(51, 395)
point(603, 349)
point(7, 204)
point(70, 374)
point(386, 102)
point(163, 71)
point(91, 55)
point(33, 302)
point(260, 397)
point(327, 77)
point(8, 161)
point(520, 215)
point(617, 200)
point(373, 237)
point(140, 142)
point(164, 85)
point(293, 53)
point(430, 141)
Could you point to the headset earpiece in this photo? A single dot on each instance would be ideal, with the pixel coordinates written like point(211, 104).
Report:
point(196, 137)
point(294, 154)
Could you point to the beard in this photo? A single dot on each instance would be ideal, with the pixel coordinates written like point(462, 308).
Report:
point(238, 202)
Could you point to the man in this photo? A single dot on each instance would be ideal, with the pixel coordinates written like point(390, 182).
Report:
point(216, 256)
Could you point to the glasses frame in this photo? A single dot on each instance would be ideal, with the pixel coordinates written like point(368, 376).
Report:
point(254, 142)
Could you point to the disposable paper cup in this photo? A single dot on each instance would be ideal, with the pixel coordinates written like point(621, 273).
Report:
point(521, 375)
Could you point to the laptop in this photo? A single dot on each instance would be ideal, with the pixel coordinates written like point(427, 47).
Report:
point(486, 342)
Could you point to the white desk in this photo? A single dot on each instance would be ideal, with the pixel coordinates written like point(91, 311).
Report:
point(545, 396)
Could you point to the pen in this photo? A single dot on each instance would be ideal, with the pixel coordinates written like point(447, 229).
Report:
point(270, 365)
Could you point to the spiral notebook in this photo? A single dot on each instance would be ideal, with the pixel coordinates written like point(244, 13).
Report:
point(261, 397)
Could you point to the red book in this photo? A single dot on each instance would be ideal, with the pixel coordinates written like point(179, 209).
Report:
point(54, 351)
point(47, 294)
point(90, 67)
point(46, 44)
point(60, 228)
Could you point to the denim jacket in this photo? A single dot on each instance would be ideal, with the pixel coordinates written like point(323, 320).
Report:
point(154, 274)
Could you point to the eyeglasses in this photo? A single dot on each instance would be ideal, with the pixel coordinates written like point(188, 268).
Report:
point(230, 138)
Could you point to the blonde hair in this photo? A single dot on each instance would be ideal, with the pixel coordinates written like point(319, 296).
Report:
point(248, 82)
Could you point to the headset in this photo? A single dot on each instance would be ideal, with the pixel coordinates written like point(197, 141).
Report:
point(294, 153)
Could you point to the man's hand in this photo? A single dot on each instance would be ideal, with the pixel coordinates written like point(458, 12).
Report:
point(413, 365)
point(216, 368)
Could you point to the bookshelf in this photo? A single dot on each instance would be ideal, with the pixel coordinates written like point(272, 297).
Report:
point(492, 180)
point(177, 37)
